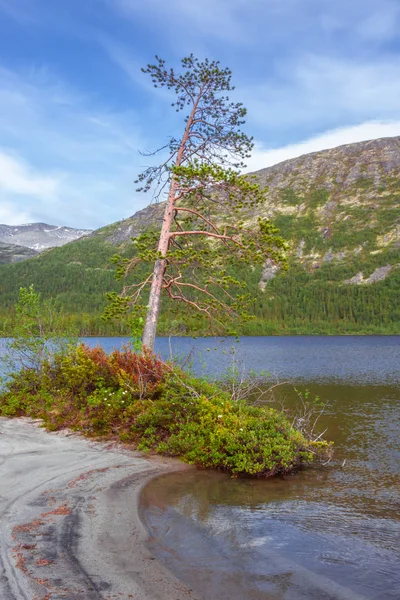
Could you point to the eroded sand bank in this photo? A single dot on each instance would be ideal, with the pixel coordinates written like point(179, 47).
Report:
point(69, 524)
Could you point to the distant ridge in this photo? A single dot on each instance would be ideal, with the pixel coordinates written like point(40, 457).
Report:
point(37, 236)
point(338, 208)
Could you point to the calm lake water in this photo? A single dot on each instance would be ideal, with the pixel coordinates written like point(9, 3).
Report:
point(350, 359)
point(331, 533)
point(326, 534)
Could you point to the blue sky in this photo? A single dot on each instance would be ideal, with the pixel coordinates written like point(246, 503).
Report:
point(75, 109)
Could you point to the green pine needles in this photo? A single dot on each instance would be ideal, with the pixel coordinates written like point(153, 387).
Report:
point(205, 252)
point(193, 259)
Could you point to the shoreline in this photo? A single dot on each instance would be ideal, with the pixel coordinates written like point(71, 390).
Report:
point(70, 524)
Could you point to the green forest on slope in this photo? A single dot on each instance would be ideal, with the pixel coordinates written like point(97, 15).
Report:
point(337, 229)
point(309, 298)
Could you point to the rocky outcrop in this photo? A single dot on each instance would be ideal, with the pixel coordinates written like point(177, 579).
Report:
point(148, 218)
point(338, 167)
point(269, 271)
point(331, 256)
point(11, 253)
point(390, 237)
point(300, 249)
point(378, 275)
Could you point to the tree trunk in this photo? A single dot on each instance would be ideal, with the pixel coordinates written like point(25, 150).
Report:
point(150, 328)
point(153, 310)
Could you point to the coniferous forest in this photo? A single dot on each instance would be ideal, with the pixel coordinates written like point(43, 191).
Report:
point(340, 212)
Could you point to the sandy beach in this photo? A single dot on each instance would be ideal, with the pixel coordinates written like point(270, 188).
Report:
point(69, 519)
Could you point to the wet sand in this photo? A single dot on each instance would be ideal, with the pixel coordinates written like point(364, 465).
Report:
point(69, 525)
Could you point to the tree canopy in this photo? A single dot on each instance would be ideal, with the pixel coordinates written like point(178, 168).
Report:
point(202, 235)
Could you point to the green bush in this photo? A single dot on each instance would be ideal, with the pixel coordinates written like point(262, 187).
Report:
point(137, 398)
point(201, 424)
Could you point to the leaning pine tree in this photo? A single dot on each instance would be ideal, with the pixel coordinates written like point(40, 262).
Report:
point(202, 239)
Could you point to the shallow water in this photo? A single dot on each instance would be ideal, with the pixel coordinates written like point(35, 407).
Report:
point(323, 534)
point(326, 534)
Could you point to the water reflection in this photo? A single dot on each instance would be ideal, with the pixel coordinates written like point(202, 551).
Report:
point(328, 533)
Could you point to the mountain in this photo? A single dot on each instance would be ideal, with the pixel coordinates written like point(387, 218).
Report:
point(340, 211)
point(337, 204)
point(10, 253)
point(34, 237)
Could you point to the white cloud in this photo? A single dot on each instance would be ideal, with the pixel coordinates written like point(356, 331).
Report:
point(85, 156)
point(12, 215)
point(17, 177)
point(263, 157)
point(301, 67)
point(262, 23)
point(317, 92)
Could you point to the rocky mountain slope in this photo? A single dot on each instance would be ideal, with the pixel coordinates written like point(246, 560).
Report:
point(18, 242)
point(343, 200)
point(357, 184)
point(340, 211)
point(332, 206)
point(10, 253)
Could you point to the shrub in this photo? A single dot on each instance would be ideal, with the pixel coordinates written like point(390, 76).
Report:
point(156, 406)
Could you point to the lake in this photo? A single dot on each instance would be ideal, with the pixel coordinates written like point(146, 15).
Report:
point(330, 533)
point(351, 359)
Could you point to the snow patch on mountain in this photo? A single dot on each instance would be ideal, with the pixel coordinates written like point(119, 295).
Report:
point(39, 236)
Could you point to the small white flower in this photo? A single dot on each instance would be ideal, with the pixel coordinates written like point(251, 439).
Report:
point(219, 416)
point(241, 429)
point(108, 404)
